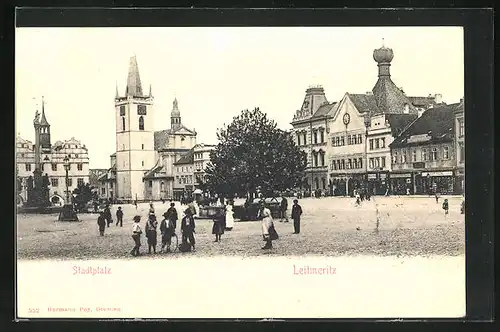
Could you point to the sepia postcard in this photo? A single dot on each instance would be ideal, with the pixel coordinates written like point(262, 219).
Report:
point(240, 172)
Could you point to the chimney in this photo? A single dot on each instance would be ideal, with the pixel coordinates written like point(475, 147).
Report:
point(369, 93)
point(462, 99)
point(438, 98)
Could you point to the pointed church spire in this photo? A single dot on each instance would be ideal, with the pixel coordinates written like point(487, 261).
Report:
point(134, 87)
point(116, 93)
point(175, 116)
point(150, 94)
point(43, 120)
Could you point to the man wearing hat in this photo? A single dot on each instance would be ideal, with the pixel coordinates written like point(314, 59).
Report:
point(167, 229)
point(188, 228)
point(296, 213)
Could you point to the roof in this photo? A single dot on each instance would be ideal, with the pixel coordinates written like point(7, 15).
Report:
point(187, 158)
point(151, 173)
point(323, 110)
point(436, 122)
point(364, 103)
point(113, 155)
point(399, 122)
point(389, 98)
point(43, 120)
point(161, 139)
point(422, 101)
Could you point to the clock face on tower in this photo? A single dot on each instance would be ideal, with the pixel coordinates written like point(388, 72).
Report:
point(346, 119)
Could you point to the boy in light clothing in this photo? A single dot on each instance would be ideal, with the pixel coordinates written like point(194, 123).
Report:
point(136, 235)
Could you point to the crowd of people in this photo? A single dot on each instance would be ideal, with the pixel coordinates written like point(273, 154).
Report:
point(222, 220)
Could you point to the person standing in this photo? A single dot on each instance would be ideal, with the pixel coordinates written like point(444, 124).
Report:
point(136, 236)
point(119, 216)
point(167, 230)
point(151, 208)
point(219, 224)
point(135, 203)
point(266, 224)
point(296, 214)
point(188, 228)
point(172, 214)
point(283, 209)
point(101, 221)
point(151, 226)
point(107, 215)
point(229, 216)
point(446, 206)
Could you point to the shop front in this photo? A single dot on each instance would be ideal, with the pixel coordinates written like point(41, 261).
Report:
point(441, 182)
point(400, 183)
point(377, 182)
point(344, 184)
point(460, 181)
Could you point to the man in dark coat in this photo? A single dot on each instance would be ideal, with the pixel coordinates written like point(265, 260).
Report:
point(283, 208)
point(101, 221)
point(119, 217)
point(296, 213)
point(172, 215)
point(107, 215)
point(188, 228)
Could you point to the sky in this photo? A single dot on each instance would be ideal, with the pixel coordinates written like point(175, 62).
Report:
point(215, 73)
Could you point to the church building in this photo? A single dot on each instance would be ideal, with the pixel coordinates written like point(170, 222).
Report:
point(144, 158)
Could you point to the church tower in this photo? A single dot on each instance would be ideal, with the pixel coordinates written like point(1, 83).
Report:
point(134, 114)
point(175, 116)
point(44, 131)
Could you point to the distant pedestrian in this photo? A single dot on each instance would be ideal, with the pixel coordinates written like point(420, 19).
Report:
point(229, 216)
point(296, 214)
point(283, 209)
point(101, 221)
point(136, 236)
point(437, 197)
point(107, 215)
point(188, 229)
point(462, 207)
point(167, 230)
point(219, 224)
point(96, 207)
point(135, 203)
point(445, 206)
point(358, 199)
point(407, 191)
point(151, 234)
point(151, 208)
point(119, 217)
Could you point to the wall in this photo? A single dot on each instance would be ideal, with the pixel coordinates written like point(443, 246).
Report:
point(440, 163)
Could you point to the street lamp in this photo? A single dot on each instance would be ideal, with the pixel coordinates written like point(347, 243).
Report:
point(68, 212)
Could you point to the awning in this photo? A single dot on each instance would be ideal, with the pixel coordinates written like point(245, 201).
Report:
point(403, 175)
point(444, 173)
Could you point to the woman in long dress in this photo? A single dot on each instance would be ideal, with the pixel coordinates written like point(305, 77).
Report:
point(266, 225)
point(229, 217)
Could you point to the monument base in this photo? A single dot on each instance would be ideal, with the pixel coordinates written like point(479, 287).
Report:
point(68, 213)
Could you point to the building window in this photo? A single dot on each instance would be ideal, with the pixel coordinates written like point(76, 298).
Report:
point(446, 153)
point(123, 123)
point(355, 163)
point(461, 128)
point(403, 157)
point(395, 158)
point(434, 154)
point(360, 140)
point(79, 181)
point(150, 183)
point(142, 146)
point(54, 167)
point(337, 141)
point(305, 138)
point(370, 163)
point(54, 182)
point(371, 144)
point(424, 155)
point(79, 167)
point(315, 137)
point(342, 141)
point(122, 110)
point(348, 139)
point(349, 164)
point(414, 155)
point(103, 191)
point(298, 140)
point(322, 136)
point(69, 183)
point(315, 159)
point(383, 162)
point(111, 185)
point(141, 123)
point(342, 163)
point(461, 149)
point(377, 145)
point(360, 163)
point(162, 186)
point(322, 158)
point(382, 142)
point(142, 163)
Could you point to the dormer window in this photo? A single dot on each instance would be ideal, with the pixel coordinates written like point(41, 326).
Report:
point(407, 109)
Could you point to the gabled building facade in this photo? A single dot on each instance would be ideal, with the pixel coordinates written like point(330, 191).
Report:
point(424, 154)
point(50, 160)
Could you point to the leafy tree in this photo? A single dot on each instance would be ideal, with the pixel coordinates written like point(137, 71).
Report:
point(82, 195)
point(254, 154)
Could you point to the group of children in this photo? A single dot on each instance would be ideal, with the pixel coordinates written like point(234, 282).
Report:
point(106, 219)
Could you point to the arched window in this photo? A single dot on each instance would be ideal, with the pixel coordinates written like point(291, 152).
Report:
point(316, 182)
point(141, 123)
point(315, 156)
point(162, 186)
point(322, 158)
point(123, 123)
